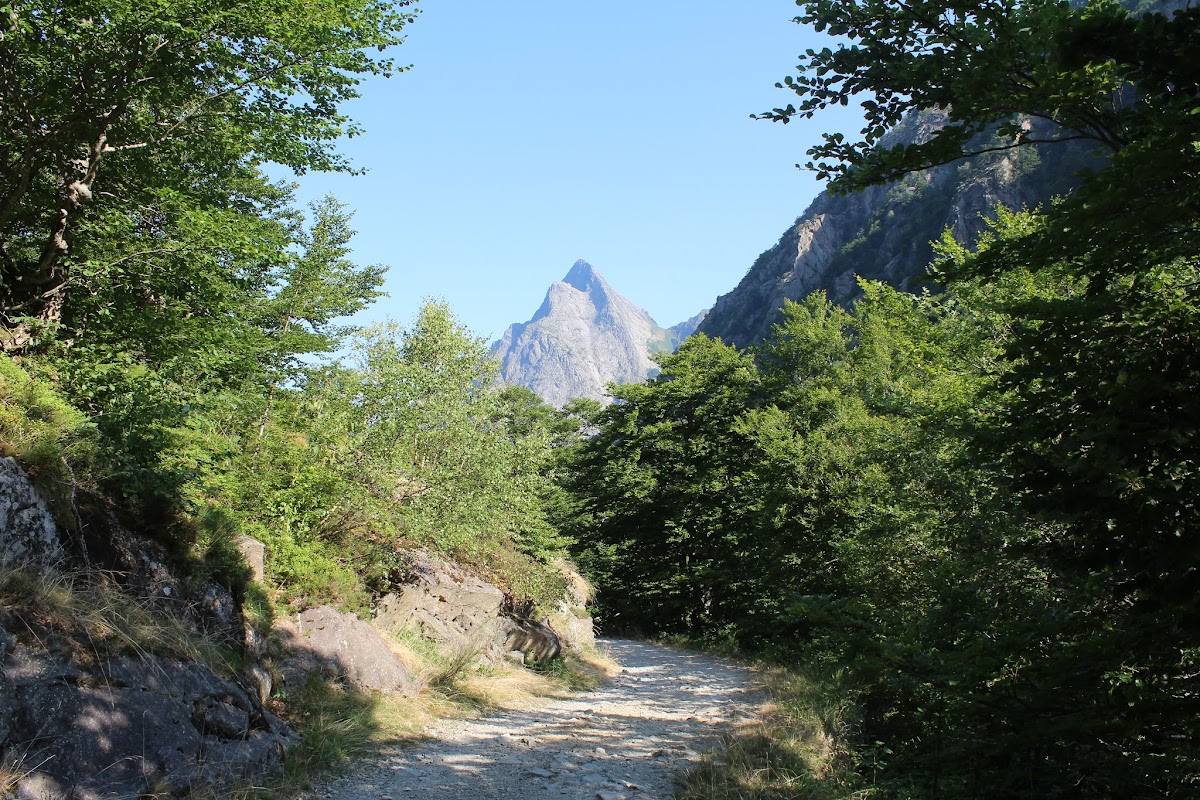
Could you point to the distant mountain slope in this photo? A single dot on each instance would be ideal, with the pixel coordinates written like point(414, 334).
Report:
point(884, 233)
point(686, 328)
point(584, 336)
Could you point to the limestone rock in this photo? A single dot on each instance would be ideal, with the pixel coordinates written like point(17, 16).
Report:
point(325, 639)
point(28, 533)
point(575, 626)
point(255, 553)
point(884, 232)
point(536, 640)
point(443, 603)
point(571, 620)
point(459, 610)
point(584, 336)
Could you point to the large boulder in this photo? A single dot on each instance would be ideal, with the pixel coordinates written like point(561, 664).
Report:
point(131, 727)
point(28, 533)
point(443, 603)
point(535, 640)
point(458, 610)
point(336, 643)
point(571, 619)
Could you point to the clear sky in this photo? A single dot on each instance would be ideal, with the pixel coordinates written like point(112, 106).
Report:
point(528, 135)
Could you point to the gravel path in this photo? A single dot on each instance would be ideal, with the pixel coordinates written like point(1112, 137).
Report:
point(625, 740)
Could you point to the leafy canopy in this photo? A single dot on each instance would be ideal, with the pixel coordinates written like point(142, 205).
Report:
point(990, 64)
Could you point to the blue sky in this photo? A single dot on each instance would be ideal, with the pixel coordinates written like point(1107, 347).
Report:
point(528, 135)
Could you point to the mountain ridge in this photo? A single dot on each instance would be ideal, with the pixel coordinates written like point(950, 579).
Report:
point(885, 232)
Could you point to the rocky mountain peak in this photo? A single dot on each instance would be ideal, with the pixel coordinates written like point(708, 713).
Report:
point(584, 277)
point(584, 336)
point(886, 232)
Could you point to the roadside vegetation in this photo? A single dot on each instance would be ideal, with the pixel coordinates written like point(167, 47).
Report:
point(976, 506)
point(176, 359)
point(173, 324)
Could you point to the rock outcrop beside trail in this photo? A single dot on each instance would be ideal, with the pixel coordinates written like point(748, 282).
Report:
point(341, 646)
point(28, 533)
point(459, 610)
point(129, 727)
point(91, 720)
point(87, 720)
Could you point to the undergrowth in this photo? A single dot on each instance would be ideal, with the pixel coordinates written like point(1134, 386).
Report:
point(797, 747)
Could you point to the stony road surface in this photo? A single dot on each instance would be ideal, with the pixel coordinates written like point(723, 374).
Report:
point(628, 739)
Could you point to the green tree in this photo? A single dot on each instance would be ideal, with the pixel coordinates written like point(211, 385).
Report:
point(660, 485)
point(1092, 430)
point(316, 287)
point(1094, 72)
point(108, 107)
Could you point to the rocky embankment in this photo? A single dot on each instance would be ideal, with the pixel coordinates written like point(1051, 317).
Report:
point(624, 741)
point(105, 688)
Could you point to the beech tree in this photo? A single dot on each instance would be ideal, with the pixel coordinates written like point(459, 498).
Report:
point(1094, 433)
point(104, 102)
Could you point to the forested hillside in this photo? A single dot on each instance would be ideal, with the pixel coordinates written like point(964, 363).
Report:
point(974, 514)
point(157, 281)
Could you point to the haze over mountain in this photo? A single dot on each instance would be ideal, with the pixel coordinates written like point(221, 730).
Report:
point(584, 336)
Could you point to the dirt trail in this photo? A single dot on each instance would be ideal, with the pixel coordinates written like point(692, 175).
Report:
point(627, 739)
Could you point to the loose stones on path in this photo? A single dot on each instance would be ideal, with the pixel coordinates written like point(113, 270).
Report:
point(625, 741)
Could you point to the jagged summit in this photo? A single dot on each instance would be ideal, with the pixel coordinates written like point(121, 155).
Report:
point(584, 277)
point(584, 336)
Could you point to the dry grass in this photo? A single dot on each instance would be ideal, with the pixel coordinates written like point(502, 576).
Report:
point(96, 618)
point(515, 687)
point(14, 767)
point(793, 749)
point(338, 724)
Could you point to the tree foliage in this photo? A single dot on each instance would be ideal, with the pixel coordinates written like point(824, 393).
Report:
point(1094, 72)
point(119, 116)
point(980, 503)
point(153, 278)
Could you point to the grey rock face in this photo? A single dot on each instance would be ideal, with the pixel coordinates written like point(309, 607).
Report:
point(537, 640)
point(448, 605)
point(460, 611)
point(584, 336)
point(686, 328)
point(885, 232)
point(28, 533)
point(131, 727)
point(325, 639)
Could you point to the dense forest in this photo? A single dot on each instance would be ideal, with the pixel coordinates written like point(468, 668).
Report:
point(977, 507)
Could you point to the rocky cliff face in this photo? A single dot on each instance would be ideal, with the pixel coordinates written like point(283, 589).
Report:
point(584, 336)
point(884, 233)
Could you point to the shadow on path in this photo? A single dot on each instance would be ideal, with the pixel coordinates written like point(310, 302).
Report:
point(624, 740)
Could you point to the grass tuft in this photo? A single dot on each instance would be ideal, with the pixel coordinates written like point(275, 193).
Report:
point(795, 748)
point(97, 618)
